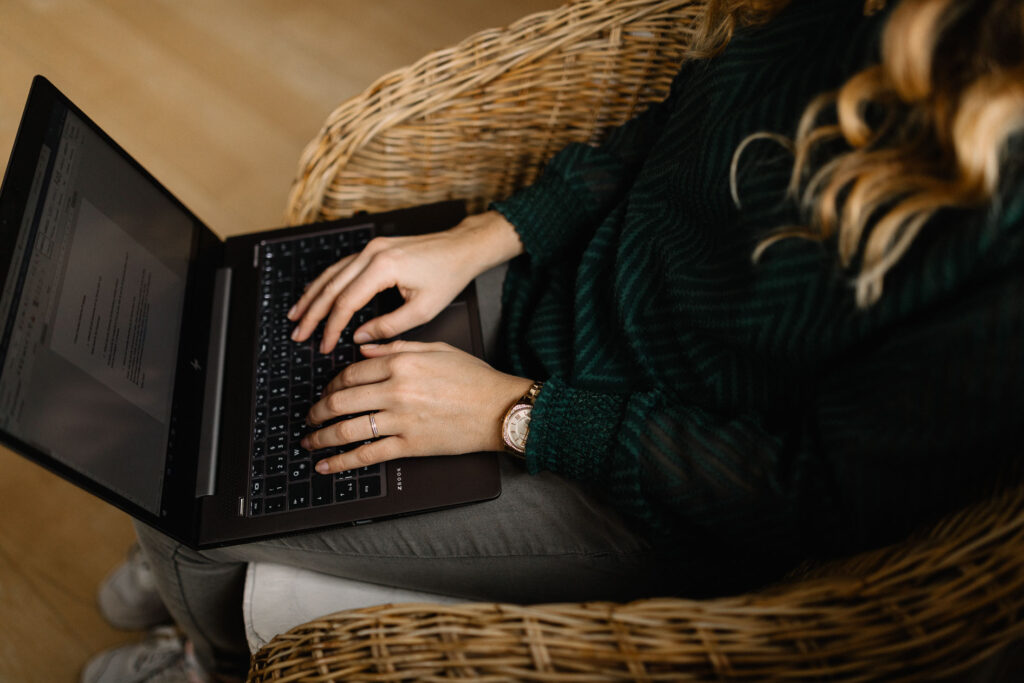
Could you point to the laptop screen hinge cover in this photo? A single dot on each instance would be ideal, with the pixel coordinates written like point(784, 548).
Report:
point(209, 436)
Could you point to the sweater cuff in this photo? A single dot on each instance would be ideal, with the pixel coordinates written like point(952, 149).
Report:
point(547, 215)
point(571, 430)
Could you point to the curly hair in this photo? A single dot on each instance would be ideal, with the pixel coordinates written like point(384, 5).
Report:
point(924, 130)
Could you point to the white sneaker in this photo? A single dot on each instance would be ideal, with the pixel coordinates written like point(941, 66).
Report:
point(163, 657)
point(127, 597)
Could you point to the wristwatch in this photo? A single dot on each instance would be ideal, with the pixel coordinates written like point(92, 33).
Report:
point(516, 425)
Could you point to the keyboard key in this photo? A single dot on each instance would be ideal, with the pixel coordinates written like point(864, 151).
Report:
point(323, 368)
point(258, 468)
point(321, 489)
point(300, 392)
point(274, 504)
point(344, 354)
point(299, 411)
point(369, 487)
point(255, 506)
point(370, 469)
point(298, 470)
point(277, 444)
point(344, 490)
point(277, 425)
point(278, 406)
point(276, 464)
point(298, 495)
point(301, 357)
point(257, 488)
point(275, 486)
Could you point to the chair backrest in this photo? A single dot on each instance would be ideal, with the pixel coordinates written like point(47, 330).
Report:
point(478, 120)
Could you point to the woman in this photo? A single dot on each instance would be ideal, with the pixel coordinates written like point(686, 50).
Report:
point(767, 324)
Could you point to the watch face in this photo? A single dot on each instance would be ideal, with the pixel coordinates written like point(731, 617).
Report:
point(517, 427)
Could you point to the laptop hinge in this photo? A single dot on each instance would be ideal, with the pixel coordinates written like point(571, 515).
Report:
point(209, 436)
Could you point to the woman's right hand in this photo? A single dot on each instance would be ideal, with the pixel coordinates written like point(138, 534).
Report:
point(428, 270)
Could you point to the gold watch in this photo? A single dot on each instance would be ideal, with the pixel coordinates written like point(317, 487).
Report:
point(516, 425)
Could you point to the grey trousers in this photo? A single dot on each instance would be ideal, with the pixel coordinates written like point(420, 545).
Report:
point(543, 540)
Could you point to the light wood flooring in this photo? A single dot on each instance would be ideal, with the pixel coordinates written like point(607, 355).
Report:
point(216, 98)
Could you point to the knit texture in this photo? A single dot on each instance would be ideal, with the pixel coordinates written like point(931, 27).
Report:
point(745, 417)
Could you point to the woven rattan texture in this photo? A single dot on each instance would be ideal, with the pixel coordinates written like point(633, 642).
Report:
point(477, 121)
point(933, 606)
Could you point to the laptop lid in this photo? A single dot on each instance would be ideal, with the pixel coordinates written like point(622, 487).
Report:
point(95, 265)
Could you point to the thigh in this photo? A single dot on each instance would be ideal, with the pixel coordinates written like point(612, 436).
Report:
point(544, 539)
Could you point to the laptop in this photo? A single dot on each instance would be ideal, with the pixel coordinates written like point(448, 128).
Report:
point(149, 362)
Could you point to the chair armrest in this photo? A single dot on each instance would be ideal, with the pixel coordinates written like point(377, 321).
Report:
point(934, 606)
point(476, 121)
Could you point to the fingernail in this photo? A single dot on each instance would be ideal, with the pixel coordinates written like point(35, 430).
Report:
point(291, 311)
point(305, 442)
point(361, 337)
point(322, 467)
point(295, 334)
point(369, 346)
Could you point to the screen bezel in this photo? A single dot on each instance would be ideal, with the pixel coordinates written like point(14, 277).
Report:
point(179, 512)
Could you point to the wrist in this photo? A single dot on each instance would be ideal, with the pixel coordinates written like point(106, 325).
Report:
point(489, 240)
point(515, 426)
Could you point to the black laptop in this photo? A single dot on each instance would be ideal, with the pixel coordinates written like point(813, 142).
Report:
point(149, 362)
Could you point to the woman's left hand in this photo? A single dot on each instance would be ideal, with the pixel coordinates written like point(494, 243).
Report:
point(430, 399)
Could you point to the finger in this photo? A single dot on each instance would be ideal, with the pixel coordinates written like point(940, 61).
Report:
point(337, 278)
point(314, 287)
point(401, 346)
point(347, 402)
point(372, 453)
point(344, 432)
point(368, 371)
point(377, 276)
point(328, 290)
point(392, 324)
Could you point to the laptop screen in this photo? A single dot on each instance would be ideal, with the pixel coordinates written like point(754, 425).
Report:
point(91, 309)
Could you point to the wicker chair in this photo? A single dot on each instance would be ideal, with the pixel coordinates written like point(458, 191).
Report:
point(475, 122)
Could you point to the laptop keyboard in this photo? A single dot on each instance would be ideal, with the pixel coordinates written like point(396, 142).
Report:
point(291, 376)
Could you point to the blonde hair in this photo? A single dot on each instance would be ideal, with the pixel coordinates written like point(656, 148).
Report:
point(926, 129)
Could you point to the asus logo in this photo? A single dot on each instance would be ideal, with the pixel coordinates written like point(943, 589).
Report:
point(398, 478)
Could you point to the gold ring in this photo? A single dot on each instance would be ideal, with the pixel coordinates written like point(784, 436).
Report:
point(373, 426)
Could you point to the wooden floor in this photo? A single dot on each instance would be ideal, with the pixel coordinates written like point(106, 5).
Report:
point(216, 98)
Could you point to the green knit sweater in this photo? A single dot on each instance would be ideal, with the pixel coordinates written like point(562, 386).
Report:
point(745, 416)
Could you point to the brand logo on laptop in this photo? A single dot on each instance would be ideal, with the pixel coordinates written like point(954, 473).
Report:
point(398, 477)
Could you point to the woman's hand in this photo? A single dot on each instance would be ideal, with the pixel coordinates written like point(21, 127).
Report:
point(430, 399)
point(429, 271)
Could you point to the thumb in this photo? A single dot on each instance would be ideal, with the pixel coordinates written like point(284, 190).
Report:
point(400, 346)
point(390, 325)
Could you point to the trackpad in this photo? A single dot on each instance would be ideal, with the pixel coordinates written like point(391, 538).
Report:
point(451, 325)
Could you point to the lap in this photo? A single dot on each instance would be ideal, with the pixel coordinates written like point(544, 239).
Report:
point(544, 539)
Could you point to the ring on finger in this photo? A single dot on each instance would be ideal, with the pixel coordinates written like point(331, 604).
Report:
point(373, 426)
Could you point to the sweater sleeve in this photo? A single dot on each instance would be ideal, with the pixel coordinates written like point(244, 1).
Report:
point(910, 427)
point(581, 184)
